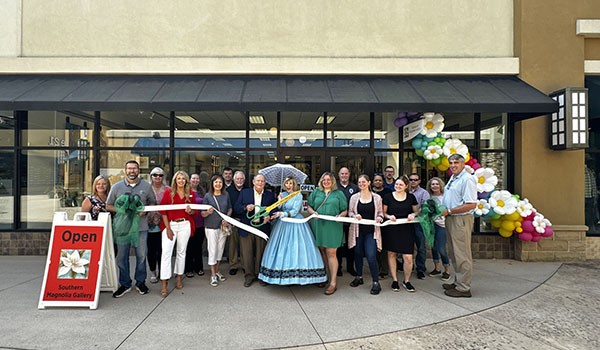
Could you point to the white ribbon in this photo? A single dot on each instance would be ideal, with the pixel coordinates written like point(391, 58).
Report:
point(229, 219)
point(261, 234)
point(351, 220)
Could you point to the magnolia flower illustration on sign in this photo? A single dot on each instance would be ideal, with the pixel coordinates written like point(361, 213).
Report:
point(74, 263)
point(486, 180)
point(455, 146)
point(434, 123)
point(524, 208)
point(482, 208)
point(433, 152)
point(502, 202)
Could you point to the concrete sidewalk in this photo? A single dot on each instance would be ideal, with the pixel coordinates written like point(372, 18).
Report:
point(515, 305)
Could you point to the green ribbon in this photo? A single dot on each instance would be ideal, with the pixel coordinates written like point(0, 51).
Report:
point(430, 210)
point(127, 219)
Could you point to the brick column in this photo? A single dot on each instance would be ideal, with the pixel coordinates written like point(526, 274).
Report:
point(567, 244)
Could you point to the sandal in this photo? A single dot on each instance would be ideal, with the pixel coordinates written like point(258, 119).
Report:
point(164, 292)
point(179, 284)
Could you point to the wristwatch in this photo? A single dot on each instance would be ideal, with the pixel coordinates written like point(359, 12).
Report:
point(449, 211)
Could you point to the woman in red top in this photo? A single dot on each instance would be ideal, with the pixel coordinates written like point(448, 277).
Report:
point(178, 226)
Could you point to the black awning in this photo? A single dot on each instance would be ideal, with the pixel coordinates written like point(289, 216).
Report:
point(274, 93)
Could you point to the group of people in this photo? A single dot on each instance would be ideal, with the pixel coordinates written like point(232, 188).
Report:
point(296, 252)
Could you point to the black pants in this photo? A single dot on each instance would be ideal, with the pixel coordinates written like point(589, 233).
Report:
point(154, 243)
point(193, 257)
point(344, 252)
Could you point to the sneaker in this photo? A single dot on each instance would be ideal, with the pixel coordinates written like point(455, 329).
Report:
point(448, 286)
point(375, 288)
point(121, 291)
point(220, 277)
point(409, 287)
point(214, 281)
point(455, 293)
point(356, 282)
point(153, 277)
point(189, 274)
point(142, 289)
point(420, 275)
point(435, 273)
point(395, 286)
point(200, 273)
point(445, 277)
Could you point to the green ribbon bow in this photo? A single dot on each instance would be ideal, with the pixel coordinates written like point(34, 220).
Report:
point(126, 226)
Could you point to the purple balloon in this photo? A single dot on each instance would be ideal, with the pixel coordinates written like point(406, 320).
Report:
point(400, 122)
point(483, 195)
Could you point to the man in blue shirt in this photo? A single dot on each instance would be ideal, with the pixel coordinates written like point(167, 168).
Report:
point(421, 195)
point(460, 199)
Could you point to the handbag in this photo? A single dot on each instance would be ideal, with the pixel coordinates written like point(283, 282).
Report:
point(225, 227)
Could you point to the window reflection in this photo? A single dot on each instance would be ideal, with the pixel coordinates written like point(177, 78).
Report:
point(212, 129)
point(300, 129)
point(348, 129)
point(143, 129)
point(58, 129)
point(386, 133)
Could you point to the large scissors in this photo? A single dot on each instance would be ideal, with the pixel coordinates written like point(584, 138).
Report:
point(255, 219)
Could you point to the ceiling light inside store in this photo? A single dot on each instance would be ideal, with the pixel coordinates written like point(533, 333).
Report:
point(257, 119)
point(187, 119)
point(330, 119)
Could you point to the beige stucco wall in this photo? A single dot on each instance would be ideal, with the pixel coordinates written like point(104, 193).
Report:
point(255, 35)
point(10, 28)
point(551, 57)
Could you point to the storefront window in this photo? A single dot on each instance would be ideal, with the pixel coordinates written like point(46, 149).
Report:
point(7, 128)
point(50, 182)
point(346, 129)
point(386, 133)
point(383, 159)
point(458, 126)
point(208, 163)
point(301, 129)
point(263, 129)
point(143, 129)
point(220, 129)
point(112, 162)
point(58, 129)
point(259, 160)
point(7, 178)
point(493, 131)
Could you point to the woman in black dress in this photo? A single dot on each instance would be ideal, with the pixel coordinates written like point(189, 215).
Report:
point(400, 239)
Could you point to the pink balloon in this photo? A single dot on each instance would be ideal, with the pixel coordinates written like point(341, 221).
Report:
point(527, 226)
point(476, 166)
point(548, 232)
point(529, 217)
point(525, 236)
point(536, 238)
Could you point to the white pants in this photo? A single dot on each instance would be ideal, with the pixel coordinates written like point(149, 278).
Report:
point(181, 236)
point(215, 244)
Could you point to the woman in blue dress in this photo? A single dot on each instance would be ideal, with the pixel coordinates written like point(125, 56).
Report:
point(291, 255)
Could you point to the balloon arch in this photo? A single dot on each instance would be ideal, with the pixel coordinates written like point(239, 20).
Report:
point(506, 212)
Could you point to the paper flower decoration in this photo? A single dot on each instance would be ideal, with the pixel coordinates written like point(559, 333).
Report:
point(486, 180)
point(433, 152)
point(524, 208)
point(482, 208)
point(502, 202)
point(540, 223)
point(434, 123)
point(455, 146)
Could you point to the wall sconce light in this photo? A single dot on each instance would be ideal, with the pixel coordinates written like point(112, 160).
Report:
point(569, 126)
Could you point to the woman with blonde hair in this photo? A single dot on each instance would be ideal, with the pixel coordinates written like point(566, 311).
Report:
point(178, 227)
point(96, 202)
point(291, 255)
point(326, 199)
point(435, 187)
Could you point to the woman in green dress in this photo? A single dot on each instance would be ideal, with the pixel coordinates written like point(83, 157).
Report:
point(329, 235)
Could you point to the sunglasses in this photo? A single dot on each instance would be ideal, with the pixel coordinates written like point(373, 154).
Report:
point(413, 180)
point(157, 175)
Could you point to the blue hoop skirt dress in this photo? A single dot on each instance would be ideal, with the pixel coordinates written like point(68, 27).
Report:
point(291, 255)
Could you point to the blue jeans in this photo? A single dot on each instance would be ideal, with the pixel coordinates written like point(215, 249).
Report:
point(140, 261)
point(421, 249)
point(366, 246)
point(439, 247)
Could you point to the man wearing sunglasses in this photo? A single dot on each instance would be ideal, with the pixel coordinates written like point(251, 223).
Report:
point(421, 195)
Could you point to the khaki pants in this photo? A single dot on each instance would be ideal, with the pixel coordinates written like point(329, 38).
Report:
point(252, 248)
point(459, 229)
point(233, 241)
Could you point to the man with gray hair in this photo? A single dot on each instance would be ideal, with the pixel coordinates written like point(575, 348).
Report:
point(239, 183)
point(460, 199)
